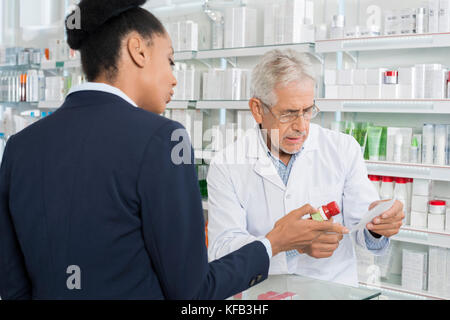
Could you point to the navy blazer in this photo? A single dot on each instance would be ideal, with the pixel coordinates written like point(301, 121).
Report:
point(94, 186)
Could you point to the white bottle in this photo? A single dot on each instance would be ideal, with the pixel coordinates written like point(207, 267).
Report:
point(409, 186)
point(398, 147)
point(440, 145)
point(41, 86)
point(428, 144)
point(401, 194)
point(387, 188)
point(376, 181)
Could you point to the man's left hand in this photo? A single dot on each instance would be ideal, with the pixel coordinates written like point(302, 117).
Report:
point(389, 222)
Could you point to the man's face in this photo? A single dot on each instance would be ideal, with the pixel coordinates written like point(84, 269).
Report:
point(289, 137)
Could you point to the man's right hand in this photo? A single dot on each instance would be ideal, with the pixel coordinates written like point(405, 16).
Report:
point(294, 233)
point(324, 246)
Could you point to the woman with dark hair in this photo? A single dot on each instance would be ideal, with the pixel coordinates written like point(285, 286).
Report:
point(92, 204)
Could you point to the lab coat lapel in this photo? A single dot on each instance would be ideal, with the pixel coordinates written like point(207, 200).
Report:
point(301, 171)
point(264, 166)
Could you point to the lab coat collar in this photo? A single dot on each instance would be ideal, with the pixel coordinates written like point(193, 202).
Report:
point(257, 149)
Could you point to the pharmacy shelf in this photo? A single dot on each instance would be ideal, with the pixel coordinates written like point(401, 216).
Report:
point(252, 51)
point(49, 65)
point(400, 289)
point(417, 106)
point(181, 104)
point(395, 42)
point(206, 155)
point(429, 231)
point(184, 55)
point(223, 104)
point(19, 67)
point(428, 238)
point(408, 170)
point(50, 104)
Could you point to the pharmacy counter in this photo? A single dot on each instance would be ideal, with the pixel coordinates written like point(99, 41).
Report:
point(293, 287)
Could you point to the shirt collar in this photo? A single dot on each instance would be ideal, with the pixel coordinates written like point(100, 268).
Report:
point(97, 86)
point(267, 151)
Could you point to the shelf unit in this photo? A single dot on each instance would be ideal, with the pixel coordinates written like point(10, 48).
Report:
point(424, 237)
point(417, 106)
point(409, 170)
point(400, 289)
point(50, 104)
point(396, 42)
point(223, 104)
point(50, 65)
point(181, 104)
point(241, 52)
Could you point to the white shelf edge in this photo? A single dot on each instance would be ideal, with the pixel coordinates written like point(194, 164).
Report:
point(241, 52)
point(402, 238)
point(185, 55)
point(252, 51)
point(409, 170)
point(50, 104)
point(223, 104)
point(179, 104)
point(49, 65)
point(416, 106)
point(394, 42)
point(429, 231)
point(400, 289)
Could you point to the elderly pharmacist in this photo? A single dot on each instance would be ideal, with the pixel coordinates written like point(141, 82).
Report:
point(286, 162)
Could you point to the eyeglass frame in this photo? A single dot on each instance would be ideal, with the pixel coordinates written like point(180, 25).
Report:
point(297, 115)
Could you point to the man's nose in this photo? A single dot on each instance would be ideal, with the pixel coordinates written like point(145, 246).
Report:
point(300, 124)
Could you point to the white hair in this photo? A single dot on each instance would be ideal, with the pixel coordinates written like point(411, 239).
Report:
point(279, 68)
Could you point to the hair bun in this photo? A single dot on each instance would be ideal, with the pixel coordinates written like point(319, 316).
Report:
point(93, 14)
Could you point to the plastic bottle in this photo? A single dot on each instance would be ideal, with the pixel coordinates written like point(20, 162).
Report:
point(325, 213)
point(398, 148)
point(409, 186)
point(376, 181)
point(414, 151)
point(387, 188)
point(401, 194)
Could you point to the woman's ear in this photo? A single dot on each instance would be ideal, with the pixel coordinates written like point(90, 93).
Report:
point(257, 109)
point(136, 48)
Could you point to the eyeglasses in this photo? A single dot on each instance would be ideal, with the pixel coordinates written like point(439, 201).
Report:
point(307, 114)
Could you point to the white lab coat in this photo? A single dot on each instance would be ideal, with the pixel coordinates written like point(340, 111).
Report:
point(246, 197)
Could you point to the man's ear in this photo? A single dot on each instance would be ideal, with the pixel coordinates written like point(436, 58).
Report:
point(257, 109)
point(136, 49)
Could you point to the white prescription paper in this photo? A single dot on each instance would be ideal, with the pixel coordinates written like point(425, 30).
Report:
point(370, 215)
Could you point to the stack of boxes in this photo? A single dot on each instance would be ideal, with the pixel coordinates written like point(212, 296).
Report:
point(240, 27)
point(184, 35)
point(421, 193)
point(434, 214)
point(188, 82)
point(288, 21)
point(414, 270)
point(422, 81)
point(229, 84)
point(438, 275)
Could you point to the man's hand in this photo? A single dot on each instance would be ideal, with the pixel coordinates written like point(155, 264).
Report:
point(292, 232)
point(389, 222)
point(324, 246)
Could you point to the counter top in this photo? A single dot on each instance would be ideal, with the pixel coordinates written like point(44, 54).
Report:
point(294, 287)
